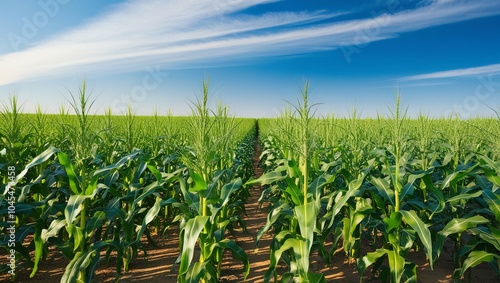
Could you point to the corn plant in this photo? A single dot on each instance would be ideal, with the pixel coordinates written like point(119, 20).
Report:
point(13, 133)
point(124, 227)
point(399, 224)
point(109, 140)
point(401, 185)
point(40, 131)
point(295, 219)
point(208, 195)
point(130, 138)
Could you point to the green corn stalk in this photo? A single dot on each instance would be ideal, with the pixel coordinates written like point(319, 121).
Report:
point(210, 190)
point(398, 145)
point(79, 179)
point(296, 236)
point(130, 139)
point(40, 130)
point(14, 130)
point(400, 237)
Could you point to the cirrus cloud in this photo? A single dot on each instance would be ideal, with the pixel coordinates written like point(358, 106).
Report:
point(184, 34)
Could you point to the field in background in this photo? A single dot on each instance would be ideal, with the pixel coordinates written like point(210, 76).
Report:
point(93, 187)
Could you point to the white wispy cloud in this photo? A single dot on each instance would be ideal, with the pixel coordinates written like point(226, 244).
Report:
point(407, 84)
point(190, 33)
point(466, 72)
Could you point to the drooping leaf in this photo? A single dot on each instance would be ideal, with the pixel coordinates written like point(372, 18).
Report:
point(493, 201)
point(238, 253)
point(277, 212)
point(384, 189)
point(74, 183)
point(38, 252)
point(353, 190)
point(41, 158)
point(475, 258)
point(190, 233)
point(198, 181)
point(267, 178)
point(421, 229)
point(369, 259)
point(152, 213)
point(458, 225)
point(117, 165)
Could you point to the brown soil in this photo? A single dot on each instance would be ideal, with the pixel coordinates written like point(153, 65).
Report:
point(159, 265)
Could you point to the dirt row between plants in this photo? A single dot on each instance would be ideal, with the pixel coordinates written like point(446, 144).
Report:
point(159, 265)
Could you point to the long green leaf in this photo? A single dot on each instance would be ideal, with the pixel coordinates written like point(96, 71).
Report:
point(38, 252)
point(421, 229)
point(195, 272)
point(384, 189)
point(306, 216)
point(369, 259)
point(493, 202)
point(293, 190)
point(281, 210)
point(191, 232)
point(267, 179)
point(458, 225)
point(437, 193)
point(44, 156)
point(226, 192)
point(238, 253)
point(457, 176)
point(152, 213)
point(117, 165)
point(199, 183)
point(475, 258)
point(353, 190)
point(74, 183)
point(396, 265)
point(74, 206)
point(463, 196)
point(491, 235)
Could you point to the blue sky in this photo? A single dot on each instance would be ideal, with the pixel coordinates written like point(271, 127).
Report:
point(442, 55)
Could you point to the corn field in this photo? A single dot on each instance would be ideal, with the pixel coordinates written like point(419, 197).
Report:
point(374, 191)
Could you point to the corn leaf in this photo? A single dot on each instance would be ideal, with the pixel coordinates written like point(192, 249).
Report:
point(493, 201)
point(458, 225)
point(74, 183)
point(41, 158)
point(396, 265)
point(384, 189)
point(475, 258)
point(190, 235)
point(421, 229)
point(369, 259)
